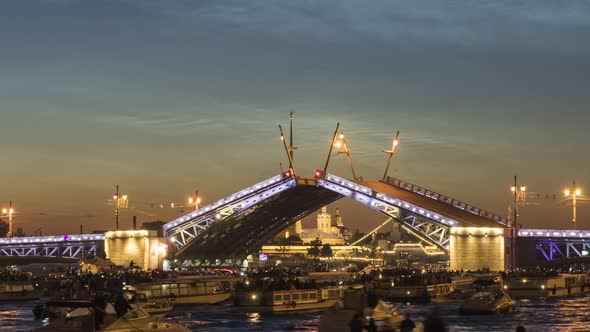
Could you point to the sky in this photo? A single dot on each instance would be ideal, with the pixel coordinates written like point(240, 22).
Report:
point(167, 97)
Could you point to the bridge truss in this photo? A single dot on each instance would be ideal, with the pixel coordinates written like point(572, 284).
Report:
point(68, 246)
point(555, 244)
point(186, 228)
point(429, 226)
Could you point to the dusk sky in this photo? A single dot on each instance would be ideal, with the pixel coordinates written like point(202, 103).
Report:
point(165, 97)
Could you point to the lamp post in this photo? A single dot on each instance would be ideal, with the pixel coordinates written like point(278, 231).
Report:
point(173, 249)
point(195, 200)
point(9, 212)
point(519, 194)
point(341, 145)
point(574, 193)
point(394, 144)
point(121, 201)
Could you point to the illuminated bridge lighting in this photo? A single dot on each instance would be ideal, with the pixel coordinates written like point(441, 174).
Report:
point(226, 200)
point(190, 226)
point(53, 239)
point(554, 233)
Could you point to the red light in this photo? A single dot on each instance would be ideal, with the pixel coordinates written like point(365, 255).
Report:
point(319, 174)
point(287, 174)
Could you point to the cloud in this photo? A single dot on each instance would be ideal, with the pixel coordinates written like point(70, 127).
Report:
point(409, 24)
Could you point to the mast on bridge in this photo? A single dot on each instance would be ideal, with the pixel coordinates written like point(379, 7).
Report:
point(390, 152)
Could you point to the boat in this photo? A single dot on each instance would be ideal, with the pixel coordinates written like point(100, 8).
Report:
point(183, 291)
point(82, 319)
point(295, 300)
point(158, 309)
point(56, 309)
point(59, 308)
point(355, 305)
point(488, 302)
point(550, 285)
point(18, 291)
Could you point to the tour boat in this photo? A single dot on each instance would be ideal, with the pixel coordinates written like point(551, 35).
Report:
point(184, 291)
point(488, 302)
point(18, 291)
point(315, 299)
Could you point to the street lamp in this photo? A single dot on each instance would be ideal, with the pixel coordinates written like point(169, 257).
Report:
point(9, 212)
point(173, 251)
point(519, 195)
point(340, 143)
point(121, 202)
point(573, 193)
point(394, 144)
point(195, 200)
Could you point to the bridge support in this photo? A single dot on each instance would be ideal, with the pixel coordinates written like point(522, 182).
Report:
point(477, 248)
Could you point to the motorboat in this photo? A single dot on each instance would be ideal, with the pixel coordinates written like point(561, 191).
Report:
point(83, 319)
point(488, 302)
point(59, 308)
point(158, 309)
point(355, 306)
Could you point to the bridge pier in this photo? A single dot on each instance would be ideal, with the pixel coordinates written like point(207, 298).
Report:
point(478, 248)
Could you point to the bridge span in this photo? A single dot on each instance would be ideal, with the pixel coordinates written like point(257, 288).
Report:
point(242, 222)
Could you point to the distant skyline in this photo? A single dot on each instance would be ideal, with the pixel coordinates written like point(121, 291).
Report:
point(166, 97)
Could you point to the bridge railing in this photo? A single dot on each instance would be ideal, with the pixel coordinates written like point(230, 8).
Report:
point(445, 199)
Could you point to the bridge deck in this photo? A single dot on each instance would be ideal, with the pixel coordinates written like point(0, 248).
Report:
point(466, 219)
point(247, 231)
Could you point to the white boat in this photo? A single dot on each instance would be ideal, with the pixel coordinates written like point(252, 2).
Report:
point(184, 291)
point(82, 319)
point(488, 302)
point(56, 309)
point(315, 299)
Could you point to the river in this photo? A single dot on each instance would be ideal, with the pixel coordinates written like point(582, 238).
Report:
point(564, 314)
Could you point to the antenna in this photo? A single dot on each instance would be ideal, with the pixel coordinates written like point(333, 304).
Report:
point(291, 148)
point(288, 151)
point(331, 146)
point(342, 145)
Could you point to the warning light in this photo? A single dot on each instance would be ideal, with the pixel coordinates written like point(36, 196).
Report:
point(287, 174)
point(319, 174)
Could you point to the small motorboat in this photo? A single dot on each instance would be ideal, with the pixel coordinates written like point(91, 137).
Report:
point(137, 319)
point(339, 318)
point(488, 302)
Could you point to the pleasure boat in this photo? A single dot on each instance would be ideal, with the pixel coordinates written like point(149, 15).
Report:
point(488, 302)
point(183, 291)
point(314, 299)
